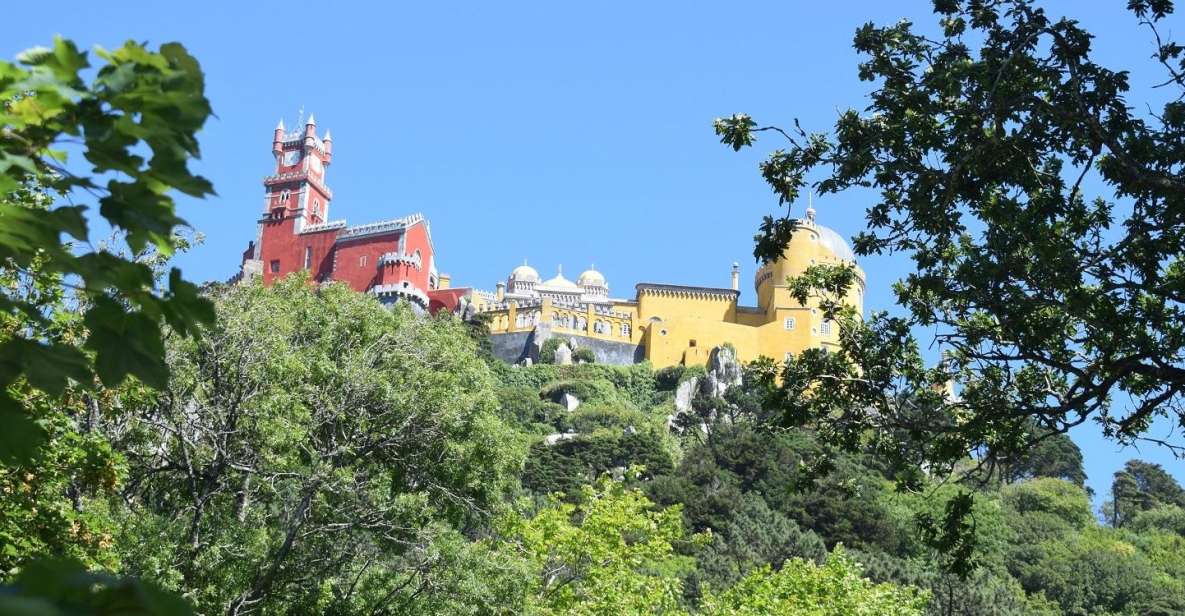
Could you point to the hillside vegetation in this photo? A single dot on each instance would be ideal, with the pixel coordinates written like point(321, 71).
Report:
point(317, 452)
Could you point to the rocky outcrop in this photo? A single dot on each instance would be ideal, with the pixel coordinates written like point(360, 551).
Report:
point(724, 372)
point(569, 401)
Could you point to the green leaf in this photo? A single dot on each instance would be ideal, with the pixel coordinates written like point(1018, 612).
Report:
point(20, 436)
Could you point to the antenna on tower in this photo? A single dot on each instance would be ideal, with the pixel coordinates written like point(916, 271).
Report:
point(810, 206)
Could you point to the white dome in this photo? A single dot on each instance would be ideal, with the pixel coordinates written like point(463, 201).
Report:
point(835, 242)
point(591, 278)
point(524, 273)
point(559, 283)
point(828, 237)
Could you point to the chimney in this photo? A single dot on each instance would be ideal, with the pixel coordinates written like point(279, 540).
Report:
point(736, 276)
point(500, 291)
point(444, 281)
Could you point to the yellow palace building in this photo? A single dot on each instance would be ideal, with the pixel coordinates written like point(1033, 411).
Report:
point(669, 324)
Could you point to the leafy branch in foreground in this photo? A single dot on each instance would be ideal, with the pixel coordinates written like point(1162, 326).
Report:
point(134, 122)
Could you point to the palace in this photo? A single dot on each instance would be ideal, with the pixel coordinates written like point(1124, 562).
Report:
point(669, 324)
point(665, 324)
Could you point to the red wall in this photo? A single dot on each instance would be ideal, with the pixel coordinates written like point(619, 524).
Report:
point(349, 255)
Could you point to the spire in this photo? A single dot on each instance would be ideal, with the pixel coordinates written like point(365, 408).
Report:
point(280, 126)
point(810, 207)
point(311, 122)
point(329, 136)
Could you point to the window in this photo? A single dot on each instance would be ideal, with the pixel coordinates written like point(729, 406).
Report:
point(275, 266)
point(825, 328)
point(308, 257)
point(284, 197)
point(362, 261)
point(788, 323)
point(625, 330)
point(691, 343)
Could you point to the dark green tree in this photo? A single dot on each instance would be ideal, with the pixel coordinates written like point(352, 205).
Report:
point(1141, 486)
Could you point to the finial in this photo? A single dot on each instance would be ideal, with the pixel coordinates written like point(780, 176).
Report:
point(328, 135)
point(560, 269)
point(280, 126)
point(524, 260)
point(736, 266)
point(300, 116)
point(311, 122)
point(810, 206)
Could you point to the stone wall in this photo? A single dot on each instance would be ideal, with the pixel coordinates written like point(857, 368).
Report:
point(513, 347)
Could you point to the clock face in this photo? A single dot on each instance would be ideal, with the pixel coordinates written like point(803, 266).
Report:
point(315, 164)
point(291, 157)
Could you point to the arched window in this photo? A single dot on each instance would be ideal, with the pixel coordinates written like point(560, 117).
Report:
point(788, 323)
point(582, 323)
point(308, 257)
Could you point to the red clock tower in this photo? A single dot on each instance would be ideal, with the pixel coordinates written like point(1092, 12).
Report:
point(392, 259)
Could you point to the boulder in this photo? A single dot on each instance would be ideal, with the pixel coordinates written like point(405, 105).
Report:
point(552, 439)
point(570, 402)
point(684, 393)
point(563, 355)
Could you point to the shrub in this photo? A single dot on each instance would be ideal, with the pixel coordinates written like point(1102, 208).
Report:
point(587, 390)
point(584, 356)
point(547, 351)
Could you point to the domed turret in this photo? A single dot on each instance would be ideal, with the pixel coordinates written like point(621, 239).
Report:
point(524, 273)
point(593, 282)
point(522, 280)
point(811, 244)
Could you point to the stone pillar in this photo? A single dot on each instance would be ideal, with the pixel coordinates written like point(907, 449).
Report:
point(589, 317)
point(512, 314)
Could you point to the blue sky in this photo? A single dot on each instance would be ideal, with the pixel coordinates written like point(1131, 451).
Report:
point(563, 133)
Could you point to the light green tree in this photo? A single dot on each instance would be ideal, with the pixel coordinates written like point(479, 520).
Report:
point(801, 587)
point(611, 554)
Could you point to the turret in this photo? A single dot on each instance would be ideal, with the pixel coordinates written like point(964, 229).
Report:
point(310, 132)
point(500, 291)
point(328, 140)
point(278, 139)
point(736, 276)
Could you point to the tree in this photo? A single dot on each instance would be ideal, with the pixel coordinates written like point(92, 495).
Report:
point(611, 554)
point(1048, 303)
point(800, 587)
point(139, 102)
point(1051, 455)
point(1139, 487)
point(303, 445)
